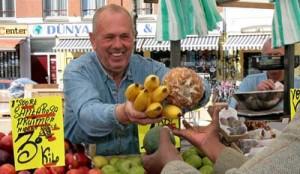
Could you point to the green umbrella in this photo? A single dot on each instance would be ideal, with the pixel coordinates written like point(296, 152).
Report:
point(179, 18)
point(286, 22)
point(170, 17)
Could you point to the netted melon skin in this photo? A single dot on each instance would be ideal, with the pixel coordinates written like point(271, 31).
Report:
point(186, 87)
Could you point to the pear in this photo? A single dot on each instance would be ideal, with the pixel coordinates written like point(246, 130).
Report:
point(99, 161)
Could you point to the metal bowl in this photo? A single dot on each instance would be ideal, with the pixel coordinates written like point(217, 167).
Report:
point(259, 100)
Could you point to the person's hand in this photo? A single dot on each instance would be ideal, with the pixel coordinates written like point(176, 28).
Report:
point(265, 85)
point(205, 138)
point(166, 152)
point(127, 114)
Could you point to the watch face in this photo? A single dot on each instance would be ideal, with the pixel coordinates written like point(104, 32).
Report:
point(212, 69)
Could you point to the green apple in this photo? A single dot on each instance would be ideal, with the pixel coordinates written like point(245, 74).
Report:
point(200, 153)
point(207, 161)
point(125, 166)
point(190, 151)
point(137, 170)
point(113, 160)
point(194, 160)
point(99, 161)
point(136, 159)
point(206, 169)
point(109, 169)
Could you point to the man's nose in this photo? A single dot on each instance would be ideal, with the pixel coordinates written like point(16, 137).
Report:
point(117, 42)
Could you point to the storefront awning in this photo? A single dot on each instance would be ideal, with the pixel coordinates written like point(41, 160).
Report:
point(142, 44)
point(83, 45)
point(9, 44)
point(139, 44)
point(200, 43)
point(245, 41)
point(73, 45)
point(151, 44)
point(189, 43)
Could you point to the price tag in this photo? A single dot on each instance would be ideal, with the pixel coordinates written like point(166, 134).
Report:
point(37, 130)
point(295, 101)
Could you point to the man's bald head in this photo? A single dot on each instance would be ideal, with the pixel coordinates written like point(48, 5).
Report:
point(269, 51)
point(112, 8)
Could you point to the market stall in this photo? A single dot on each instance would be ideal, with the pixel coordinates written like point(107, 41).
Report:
point(36, 141)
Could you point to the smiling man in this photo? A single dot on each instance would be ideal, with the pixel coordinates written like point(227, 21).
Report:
point(96, 110)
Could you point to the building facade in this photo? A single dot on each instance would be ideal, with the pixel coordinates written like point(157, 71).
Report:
point(31, 29)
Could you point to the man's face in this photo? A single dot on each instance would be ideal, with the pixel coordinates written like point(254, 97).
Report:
point(276, 75)
point(113, 40)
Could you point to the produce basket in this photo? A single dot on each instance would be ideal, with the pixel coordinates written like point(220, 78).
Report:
point(230, 127)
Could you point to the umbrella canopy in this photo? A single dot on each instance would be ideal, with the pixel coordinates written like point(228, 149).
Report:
point(286, 22)
point(179, 18)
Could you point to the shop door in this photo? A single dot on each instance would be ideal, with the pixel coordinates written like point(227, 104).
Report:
point(39, 68)
point(52, 69)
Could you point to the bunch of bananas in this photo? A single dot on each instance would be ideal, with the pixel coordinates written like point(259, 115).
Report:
point(150, 97)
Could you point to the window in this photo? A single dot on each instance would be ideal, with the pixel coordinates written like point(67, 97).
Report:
point(55, 8)
point(7, 8)
point(143, 8)
point(90, 6)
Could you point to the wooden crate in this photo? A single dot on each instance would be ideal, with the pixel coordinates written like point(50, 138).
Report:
point(4, 103)
point(41, 90)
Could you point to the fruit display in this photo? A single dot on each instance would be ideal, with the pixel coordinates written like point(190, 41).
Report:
point(186, 87)
point(119, 164)
point(76, 160)
point(151, 139)
point(197, 159)
point(151, 98)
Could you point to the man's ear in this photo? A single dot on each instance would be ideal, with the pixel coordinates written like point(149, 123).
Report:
point(92, 40)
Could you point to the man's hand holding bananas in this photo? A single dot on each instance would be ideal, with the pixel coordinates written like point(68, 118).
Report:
point(149, 99)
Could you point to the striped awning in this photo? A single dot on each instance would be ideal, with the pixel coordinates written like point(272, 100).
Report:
point(200, 43)
point(83, 45)
point(142, 44)
point(139, 44)
point(191, 42)
point(151, 44)
point(245, 41)
point(73, 45)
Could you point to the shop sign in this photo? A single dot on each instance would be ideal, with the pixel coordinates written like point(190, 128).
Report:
point(146, 29)
point(37, 131)
point(14, 30)
point(295, 101)
point(52, 30)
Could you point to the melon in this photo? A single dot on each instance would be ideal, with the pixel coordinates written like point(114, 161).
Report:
point(151, 139)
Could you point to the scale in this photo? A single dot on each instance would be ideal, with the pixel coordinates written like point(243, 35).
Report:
point(264, 63)
point(271, 62)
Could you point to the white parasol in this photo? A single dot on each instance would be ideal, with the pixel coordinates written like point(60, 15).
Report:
point(286, 22)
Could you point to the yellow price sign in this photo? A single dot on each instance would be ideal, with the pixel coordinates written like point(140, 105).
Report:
point(143, 129)
point(295, 101)
point(37, 131)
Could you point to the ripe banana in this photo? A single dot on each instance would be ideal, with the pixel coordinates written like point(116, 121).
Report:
point(132, 91)
point(160, 93)
point(171, 111)
point(154, 110)
point(151, 82)
point(142, 100)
